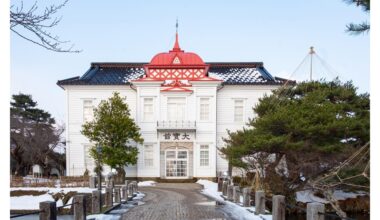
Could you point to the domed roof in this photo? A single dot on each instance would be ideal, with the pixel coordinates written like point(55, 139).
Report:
point(176, 56)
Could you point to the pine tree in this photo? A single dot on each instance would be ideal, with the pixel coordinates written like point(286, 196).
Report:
point(312, 126)
point(363, 27)
point(34, 135)
point(115, 132)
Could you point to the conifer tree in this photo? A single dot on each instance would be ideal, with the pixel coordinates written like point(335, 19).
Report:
point(312, 126)
point(115, 131)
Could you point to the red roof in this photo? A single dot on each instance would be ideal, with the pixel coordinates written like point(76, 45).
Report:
point(176, 57)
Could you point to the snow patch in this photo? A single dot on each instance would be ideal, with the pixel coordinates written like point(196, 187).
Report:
point(103, 217)
point(146, 183)
point(308, 196)
point(211, 190)
point(30, 202)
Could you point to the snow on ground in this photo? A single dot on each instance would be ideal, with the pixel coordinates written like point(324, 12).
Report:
point(103, 217)
point(146, 183)
point(308, 196)
point(33, 202)
point(29, 202)
point(235, 210)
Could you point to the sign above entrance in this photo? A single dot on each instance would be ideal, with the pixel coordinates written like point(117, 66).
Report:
point(176, 136)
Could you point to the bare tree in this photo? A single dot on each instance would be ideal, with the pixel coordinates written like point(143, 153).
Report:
point(34, 136)
point(34, 26)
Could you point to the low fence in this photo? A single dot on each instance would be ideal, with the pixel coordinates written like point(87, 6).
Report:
point(230, 192)
point(113, 197)
point(63, 181)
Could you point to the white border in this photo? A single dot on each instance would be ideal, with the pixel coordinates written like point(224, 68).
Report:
point(4, 103)
point(375, 107)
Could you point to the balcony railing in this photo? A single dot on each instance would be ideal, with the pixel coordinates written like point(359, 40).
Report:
point(176, 125)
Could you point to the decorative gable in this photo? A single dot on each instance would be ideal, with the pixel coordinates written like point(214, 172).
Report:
point(176, 60)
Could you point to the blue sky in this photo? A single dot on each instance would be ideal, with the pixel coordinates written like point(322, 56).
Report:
point(278, 33)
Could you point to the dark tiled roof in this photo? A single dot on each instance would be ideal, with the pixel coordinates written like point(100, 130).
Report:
point(248, 73)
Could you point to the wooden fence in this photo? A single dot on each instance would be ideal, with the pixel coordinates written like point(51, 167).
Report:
point(63, 181)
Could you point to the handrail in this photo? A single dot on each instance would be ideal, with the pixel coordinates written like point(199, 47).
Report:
point(39, 211)
point(30, 213)
point(178, 124)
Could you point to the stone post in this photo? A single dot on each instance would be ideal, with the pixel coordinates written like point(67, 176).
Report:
point(95, 199)
point(48, 210)
point(259, 202)
point(124, 191)
point(220, 184)
point(134, 186)
point(117, 195)
point(246, 197)
point(313, 210)
point(224, 188)
point(109, 197)
point(278, 207)
point(129, 190)
point(230, 190)
point(79, 203)
point(92, 182)
point(236, 194)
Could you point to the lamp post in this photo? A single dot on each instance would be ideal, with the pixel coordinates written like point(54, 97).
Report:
point(99, 151)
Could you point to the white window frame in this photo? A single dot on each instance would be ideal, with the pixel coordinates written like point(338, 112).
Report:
point(168, 116)
point(89, 106)
point(145, 119)
point(151, 152)
point(177, 159)
point(202, 160)
point(242, 113)
point(208, 108)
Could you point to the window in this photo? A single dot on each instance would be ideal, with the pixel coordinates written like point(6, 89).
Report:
point(204, 109)
point(148, 155)
point(239, 110)
point(176, 108)
point(204, 156)
point(88, 112)
point(148, 109)
point(88, 160)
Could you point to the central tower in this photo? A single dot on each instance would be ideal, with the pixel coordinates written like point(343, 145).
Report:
point(176, 69)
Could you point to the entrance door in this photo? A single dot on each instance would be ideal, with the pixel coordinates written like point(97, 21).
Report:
point(176, 163)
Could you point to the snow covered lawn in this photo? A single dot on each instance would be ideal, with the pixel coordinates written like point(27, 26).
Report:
point(235, 210)
point(29, 202)
point(146, 183)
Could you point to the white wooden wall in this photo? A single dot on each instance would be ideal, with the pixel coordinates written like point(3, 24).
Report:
point(209, 132)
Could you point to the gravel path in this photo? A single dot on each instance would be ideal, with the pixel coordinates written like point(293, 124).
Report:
point(174, 201)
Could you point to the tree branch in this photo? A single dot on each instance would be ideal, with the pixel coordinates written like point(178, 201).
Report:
point(38, 25)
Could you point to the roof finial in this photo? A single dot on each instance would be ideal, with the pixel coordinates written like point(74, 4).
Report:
point(176, 44)
point(176, 26)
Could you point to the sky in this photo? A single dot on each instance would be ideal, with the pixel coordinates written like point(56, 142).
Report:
point(278, 33)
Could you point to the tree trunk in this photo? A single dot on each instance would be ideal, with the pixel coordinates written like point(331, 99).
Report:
point(229, 169)
point(120, 177)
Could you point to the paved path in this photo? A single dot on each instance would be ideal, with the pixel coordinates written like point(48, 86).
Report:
point(175, 201)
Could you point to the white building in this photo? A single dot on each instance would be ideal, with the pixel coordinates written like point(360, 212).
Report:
point(182, 105)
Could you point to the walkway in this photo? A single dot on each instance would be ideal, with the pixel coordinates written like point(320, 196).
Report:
point(175, 201)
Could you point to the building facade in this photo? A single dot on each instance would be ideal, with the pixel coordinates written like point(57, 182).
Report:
point(182, 105)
